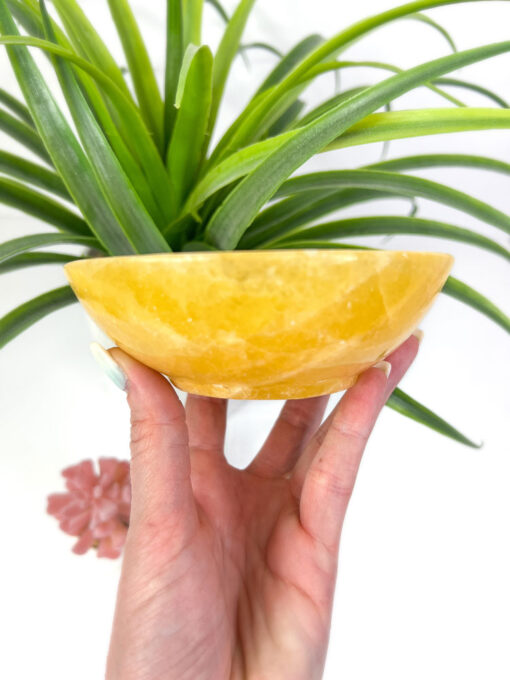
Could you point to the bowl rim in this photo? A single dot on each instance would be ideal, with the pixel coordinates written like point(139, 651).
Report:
point(284, 252)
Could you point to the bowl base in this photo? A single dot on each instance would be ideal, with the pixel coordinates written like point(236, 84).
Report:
point(266, 392)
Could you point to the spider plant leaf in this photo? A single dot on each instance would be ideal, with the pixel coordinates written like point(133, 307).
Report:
point(192, 16)
point(317, 245)
point(32, 173)
point(220, 9)
point(174, 55)
point(26, 16)
point(290, 61)
point(35, 259)
point(338, 65)
point(280, 71)
point(42, 207)
point(16, 246)
point(409, 407)
point(395, 224)
point(469, 296)
point(187, 147)
point(260, 46)
point(140, 68)
point(125, 202)
point(233, 217)
point(383, 180)
point(225, 54)
point(257, 116)
point(287, 215)
point(67, 154)
point(327, 105)
point(24, 316)
point(234, 166)
point(129, 120)
point(424, 19)
point(16, 107)
point(473, 87)
point(197, 247)
point(24, 134)
point(379, 127)
point(88, 43)
point(100, 109)
point(287, 119)
point(424, 161)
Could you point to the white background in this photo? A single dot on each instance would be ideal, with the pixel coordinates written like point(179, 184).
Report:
point(424, 588)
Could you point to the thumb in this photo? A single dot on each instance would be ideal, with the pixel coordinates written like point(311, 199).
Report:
point(160, 462)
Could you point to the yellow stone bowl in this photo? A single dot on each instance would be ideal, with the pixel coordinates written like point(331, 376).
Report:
point(263, 324)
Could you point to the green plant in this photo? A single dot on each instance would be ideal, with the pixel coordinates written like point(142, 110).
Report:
point(141, 177)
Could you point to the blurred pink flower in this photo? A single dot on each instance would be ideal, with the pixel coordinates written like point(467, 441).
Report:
point(96, 507)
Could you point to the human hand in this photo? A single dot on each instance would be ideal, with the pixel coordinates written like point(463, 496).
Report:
point(229, 574)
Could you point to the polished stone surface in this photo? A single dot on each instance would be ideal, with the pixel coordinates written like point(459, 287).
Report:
point(260, 324)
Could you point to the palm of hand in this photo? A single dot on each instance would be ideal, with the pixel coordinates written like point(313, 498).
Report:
point(264, 587)
point(229, 574)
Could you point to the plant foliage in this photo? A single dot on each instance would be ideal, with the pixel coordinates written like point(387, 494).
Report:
point(136, 172)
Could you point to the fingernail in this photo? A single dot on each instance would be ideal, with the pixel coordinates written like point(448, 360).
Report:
point(418, 334)
point(384, 366)
point(108, 365)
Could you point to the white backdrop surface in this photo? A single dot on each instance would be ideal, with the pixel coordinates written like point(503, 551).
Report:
point(423, 589)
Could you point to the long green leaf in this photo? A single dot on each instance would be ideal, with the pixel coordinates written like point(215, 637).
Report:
point(192, 16)
point(374, 128)
point(338, 65)
point(27, 14)
point(24, 134)
point(140, 67)
point(409, 407)
point(316, 245)
point(220, 9)
point(35, 259)
point(379, 127)
point(67, 155)
point(35, 174)
point(469, 296)
point(423, 18)
point(287, 215)
point(88, 43)
point(287, 64)
point(287, 119)
point(382, 180)
point(279, 72)
point(225, 54)
point(424, 161)
point(174, 55)
point(455, 82)
point(42, 207)
point(392, 224)
point(125, 202)
point(115, 131)
point(233, 167)
point(16, 246)
point(24, 316)
point(260, 46)
point(187, 148)
point(129, 120)
point(326, 106)
point(16, 107)
point(257, 118)
point(233, 217)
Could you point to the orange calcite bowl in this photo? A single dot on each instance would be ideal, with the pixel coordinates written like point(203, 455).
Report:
point(272, 324)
